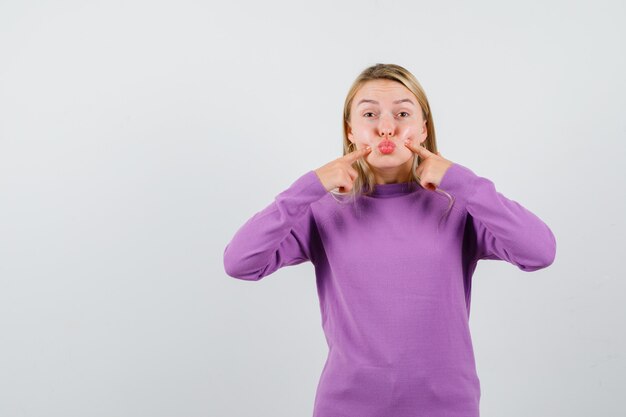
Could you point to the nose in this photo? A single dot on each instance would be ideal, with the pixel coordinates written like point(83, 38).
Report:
point(386, 127)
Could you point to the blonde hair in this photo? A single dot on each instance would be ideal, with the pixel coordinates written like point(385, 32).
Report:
point(364, 183)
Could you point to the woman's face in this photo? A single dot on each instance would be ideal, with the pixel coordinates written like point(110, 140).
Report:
point(384, 113)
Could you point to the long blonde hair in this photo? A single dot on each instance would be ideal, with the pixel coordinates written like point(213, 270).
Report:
point(364, 183)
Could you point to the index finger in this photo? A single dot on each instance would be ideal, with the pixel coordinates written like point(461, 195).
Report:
point(418, 149)
point(356, 154)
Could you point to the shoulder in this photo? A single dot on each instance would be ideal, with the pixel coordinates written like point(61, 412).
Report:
point(328, 207)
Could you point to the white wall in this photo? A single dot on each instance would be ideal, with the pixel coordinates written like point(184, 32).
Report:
point(137, 136)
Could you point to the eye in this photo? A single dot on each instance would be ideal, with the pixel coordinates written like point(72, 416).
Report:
point(403, 112)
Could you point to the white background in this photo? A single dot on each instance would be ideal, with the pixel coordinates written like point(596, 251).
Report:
point(137, 136)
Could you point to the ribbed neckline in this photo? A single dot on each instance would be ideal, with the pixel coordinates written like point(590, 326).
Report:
point(394, 190)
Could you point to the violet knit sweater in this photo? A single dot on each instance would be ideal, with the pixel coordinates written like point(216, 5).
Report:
point(394, 284)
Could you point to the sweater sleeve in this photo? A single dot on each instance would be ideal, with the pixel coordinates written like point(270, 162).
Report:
point(277, 236)
point(503, 228)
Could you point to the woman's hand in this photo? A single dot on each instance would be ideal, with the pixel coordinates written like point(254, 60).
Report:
point(432, 166)
point(339, 173)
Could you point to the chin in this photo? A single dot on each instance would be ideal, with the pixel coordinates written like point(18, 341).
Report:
point(387, 164)
point(390, 162)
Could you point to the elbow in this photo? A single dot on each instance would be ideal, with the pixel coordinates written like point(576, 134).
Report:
point(550, 252)
point(233, 267)
point(544, 257)
point(542, 262)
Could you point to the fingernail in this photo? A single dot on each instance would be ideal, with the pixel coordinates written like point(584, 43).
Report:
point(368, 148)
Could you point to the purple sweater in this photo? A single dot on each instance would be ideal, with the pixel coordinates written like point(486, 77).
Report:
point(394, 284)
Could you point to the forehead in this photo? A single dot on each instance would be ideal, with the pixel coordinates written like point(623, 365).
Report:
point(383, 90)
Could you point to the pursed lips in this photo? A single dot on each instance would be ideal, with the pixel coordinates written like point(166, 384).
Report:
point(386, 146)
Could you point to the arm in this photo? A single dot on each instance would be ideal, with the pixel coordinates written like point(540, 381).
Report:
point(505, 230)
point(276, 236)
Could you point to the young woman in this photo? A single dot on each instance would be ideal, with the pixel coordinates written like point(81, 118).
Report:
point(394, 231)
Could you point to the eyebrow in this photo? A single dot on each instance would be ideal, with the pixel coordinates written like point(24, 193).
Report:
point(395, 102)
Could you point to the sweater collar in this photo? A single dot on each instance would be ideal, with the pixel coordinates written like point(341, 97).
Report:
point(394, 189)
